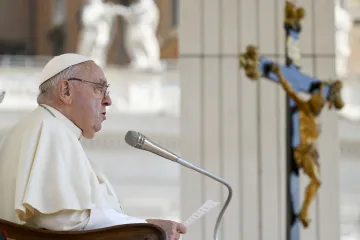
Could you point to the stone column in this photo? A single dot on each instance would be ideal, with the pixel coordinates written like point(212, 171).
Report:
point(235, 127)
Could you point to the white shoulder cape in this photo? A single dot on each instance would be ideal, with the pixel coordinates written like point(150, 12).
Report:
point(52, 171)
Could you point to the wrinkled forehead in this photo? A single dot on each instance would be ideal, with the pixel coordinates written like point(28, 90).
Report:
point(93, 73)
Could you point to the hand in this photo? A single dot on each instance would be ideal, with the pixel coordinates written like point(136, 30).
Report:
point(276, 69)
point(171, 228)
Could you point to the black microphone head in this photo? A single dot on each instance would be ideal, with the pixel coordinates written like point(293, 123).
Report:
point(134, 139)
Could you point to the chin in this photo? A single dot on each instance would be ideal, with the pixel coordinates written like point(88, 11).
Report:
point(97, 128)
point(89, 135)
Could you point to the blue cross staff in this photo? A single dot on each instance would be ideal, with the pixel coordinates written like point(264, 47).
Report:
point(303, 129)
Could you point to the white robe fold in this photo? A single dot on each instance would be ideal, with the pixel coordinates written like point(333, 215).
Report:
point(46, 178)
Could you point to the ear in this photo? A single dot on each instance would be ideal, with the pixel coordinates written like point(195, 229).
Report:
point(64, 92)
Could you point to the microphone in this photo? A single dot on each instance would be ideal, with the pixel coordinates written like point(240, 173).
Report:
point(139, 141)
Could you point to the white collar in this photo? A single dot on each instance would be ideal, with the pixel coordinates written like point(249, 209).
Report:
point(58, 115)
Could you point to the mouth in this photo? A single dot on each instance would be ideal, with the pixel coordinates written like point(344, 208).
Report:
point(104, 115)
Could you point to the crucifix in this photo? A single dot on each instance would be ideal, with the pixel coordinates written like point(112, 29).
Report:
point(303, 128)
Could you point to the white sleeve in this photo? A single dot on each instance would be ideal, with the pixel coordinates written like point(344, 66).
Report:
point(71, 220)
point(66, 220)
point(108, 217)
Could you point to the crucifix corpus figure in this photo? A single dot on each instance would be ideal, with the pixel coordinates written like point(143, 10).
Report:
point(306, 154)
point(304, 126)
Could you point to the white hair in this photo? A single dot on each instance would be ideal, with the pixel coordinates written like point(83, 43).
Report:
point(50, 85)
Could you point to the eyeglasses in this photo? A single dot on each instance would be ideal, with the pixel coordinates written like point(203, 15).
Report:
point(104, 87)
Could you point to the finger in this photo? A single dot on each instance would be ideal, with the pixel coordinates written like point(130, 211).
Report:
point(175, 236)
point(181, 228)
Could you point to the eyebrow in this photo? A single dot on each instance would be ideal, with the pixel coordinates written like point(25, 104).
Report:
point(103, 81)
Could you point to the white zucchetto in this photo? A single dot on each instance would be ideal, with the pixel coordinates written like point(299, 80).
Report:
point(60, 63)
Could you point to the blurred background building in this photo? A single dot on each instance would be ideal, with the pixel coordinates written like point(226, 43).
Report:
point(36, 27)
point(32, 31)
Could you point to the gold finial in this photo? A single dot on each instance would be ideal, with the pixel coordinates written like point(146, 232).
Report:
point(293, 15)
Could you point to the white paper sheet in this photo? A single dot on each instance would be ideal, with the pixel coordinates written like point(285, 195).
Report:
point(205, 208)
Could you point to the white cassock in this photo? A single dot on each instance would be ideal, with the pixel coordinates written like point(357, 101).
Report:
point(47, 181)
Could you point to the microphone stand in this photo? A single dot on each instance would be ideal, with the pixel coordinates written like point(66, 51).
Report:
point(218, 179)
point(137, 140)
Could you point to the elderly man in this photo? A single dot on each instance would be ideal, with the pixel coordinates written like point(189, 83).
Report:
point(46, 180)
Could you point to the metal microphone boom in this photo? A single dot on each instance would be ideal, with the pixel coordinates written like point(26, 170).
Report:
point(138, 140)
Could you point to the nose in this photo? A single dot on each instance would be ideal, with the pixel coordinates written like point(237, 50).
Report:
point(107, 101)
